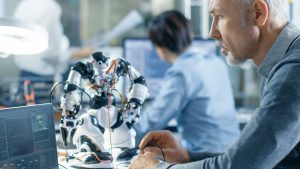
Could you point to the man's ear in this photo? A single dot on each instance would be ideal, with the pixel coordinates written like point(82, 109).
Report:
point(260, 12)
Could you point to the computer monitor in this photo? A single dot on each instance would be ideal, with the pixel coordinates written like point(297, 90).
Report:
point(27, 138)
point(141, 54)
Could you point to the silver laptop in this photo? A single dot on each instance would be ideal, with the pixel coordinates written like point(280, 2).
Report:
point(27, 138)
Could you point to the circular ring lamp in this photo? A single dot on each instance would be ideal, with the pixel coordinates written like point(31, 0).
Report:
point(20, 37)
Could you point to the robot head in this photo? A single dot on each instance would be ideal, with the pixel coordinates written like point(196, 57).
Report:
point(100, 58)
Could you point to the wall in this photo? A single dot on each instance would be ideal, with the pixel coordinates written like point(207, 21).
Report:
point(7, 66)
point(2, 9)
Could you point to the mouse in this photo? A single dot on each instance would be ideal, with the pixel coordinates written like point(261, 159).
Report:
point(128, 154)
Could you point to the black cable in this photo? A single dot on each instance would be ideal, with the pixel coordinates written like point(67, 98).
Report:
point(82, 90)
point(171, 165)
point(51, 91)
point(81, 94)
point(62, 166)
point(157, 146)
point(79, 88)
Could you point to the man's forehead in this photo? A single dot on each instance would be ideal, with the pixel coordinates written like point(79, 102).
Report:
point(220, 5)
point(214, 5)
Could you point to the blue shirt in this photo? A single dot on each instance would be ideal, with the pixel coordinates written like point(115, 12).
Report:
point(271, 139)
point(197, 92)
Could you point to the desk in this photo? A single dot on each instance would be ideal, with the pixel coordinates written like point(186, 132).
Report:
point(62, 154)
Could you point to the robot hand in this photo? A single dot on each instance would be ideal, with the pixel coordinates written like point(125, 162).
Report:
point(137, 95)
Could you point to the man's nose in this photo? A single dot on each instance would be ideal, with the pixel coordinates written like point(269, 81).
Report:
point(214, 32)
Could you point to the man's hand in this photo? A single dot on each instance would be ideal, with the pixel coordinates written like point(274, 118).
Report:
point(144, 161)
point(172, 150)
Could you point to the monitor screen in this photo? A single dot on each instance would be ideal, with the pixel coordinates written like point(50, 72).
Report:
point(27, 138)
point(141, 54)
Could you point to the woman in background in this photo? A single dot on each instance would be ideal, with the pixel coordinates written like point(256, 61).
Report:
point(196, 90)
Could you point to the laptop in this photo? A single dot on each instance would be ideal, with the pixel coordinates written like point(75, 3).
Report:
point(27, 138)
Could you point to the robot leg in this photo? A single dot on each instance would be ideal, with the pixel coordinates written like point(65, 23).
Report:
point(89, 141)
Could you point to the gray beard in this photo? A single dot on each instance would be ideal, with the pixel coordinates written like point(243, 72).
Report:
point(231, 61)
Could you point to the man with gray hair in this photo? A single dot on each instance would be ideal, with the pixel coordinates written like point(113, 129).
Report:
point(258, 30)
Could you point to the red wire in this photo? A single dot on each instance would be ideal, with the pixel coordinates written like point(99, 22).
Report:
point(115, 62)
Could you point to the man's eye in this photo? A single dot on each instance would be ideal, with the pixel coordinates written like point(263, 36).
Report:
point(220, 16)
point(215, 18)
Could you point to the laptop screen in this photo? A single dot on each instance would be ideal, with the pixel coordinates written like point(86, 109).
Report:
point(27, 138)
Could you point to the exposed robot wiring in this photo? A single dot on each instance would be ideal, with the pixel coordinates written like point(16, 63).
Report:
point(115, 62)
point(97, 130)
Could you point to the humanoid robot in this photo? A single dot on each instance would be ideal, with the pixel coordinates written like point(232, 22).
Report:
point(111, 115)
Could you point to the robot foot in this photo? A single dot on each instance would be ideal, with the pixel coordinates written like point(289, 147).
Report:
point(93, 160)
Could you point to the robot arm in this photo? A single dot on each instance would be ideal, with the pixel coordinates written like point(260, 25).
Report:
point(70, 101)
point(137, 95)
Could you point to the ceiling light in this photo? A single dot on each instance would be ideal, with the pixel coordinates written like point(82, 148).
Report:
point(20, 37)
